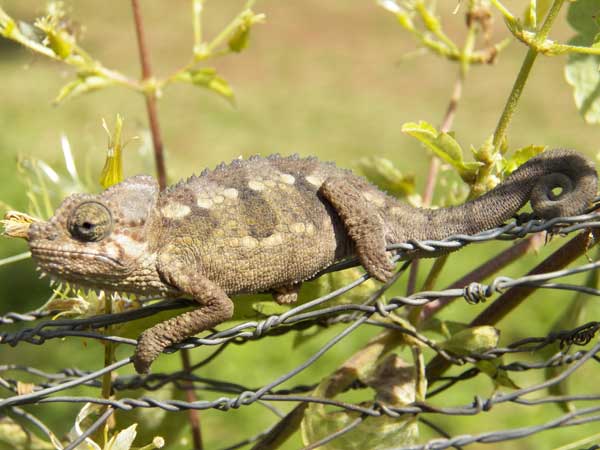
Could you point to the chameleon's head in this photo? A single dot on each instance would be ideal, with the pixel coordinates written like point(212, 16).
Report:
point(97, 240)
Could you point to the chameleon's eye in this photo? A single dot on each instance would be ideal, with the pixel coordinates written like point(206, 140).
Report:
point(90, 222)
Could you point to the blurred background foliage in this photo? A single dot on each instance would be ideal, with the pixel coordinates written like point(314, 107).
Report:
point(335, 79)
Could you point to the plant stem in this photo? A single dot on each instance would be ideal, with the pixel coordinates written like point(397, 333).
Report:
point(519, 85)
point(150, 95)
point(190, 396)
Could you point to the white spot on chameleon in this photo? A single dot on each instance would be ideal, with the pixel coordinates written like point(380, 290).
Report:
point(112, 250)
point(377, 200)
point(256, 185)
point(205, 203)
point(314, 180)
point(230, 193)
point(310, 228)
point(248, 242)
point(273, 240)
point(175, 210)
point(131, 247)
point(218, 199)
point(297, 227)
point(396, 211)
point(287, 178)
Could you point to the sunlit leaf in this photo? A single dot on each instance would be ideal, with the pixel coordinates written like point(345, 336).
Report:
point(473, 340)
point(383, 173)
point(112, 172)
point(84, 84)
point(241, 35)
point(209, 79)
point(521, 156)
point(582, 71)
point(444, 146)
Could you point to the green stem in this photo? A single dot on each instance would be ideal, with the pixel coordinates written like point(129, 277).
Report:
point(503, 10)
point(517, 90)
point(513, 98)
point(197, 10)
point(558, 49)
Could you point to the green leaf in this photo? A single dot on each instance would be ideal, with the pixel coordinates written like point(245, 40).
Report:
point(394, 381)
point(473, 340)
point(444, 146)
point(112, 172)
point(209, 79)
point(16, 437)
point(386, 176)
point(269, 308)
point(582, 16)
point(241, 35)
point(582, 71)
point(82, 85)
point(499, 376)
point(521, 156)
point(446, 328)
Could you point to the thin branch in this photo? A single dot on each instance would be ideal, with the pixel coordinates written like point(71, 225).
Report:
point(150, 94)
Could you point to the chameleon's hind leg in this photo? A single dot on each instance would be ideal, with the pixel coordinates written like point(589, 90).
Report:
point(215, 307)
point(364, 227)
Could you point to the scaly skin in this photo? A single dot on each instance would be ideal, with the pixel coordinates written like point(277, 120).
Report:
point(266, 225)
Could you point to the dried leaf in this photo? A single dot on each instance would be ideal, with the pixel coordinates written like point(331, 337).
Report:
point(16, 224)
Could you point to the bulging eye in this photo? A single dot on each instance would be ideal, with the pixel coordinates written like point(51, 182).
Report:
point(90, 222)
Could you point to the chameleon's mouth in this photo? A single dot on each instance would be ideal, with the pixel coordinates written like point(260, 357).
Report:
point(46, 255)
point(78, 266)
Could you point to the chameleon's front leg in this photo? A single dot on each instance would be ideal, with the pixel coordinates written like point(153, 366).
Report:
point(183, 271)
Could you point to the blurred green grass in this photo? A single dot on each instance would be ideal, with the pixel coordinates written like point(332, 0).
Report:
point(320, 78)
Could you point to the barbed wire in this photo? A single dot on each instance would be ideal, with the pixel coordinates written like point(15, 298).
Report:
point(52, 387)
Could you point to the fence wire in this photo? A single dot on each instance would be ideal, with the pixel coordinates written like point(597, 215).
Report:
point(54, 387)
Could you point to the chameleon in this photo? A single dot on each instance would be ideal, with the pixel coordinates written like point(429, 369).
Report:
point(265, 225)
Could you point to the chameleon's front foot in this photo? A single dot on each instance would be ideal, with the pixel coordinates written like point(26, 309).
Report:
point(148, 348)
point(152, 342)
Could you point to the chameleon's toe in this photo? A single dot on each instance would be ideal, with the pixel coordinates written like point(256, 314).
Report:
point(381, 272)
point(146, 351)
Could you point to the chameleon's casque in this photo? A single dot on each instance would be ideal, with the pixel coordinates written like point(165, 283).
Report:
point(266, 225)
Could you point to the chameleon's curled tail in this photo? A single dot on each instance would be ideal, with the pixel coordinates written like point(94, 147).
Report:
point(557, 183)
